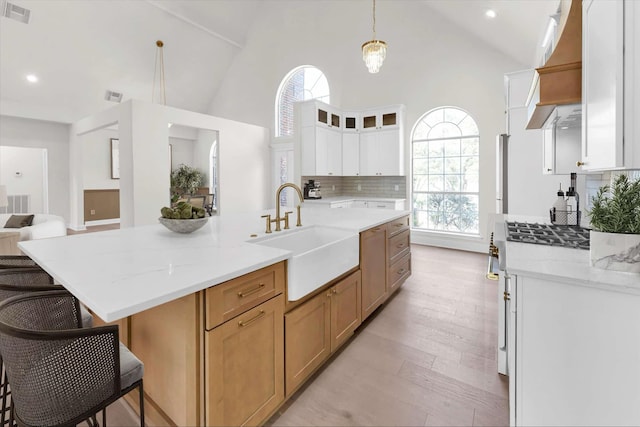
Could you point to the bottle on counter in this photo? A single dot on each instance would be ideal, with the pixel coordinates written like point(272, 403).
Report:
point(559, 209)
point(573, 203)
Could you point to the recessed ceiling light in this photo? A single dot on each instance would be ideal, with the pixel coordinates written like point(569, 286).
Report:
point(169, 125)
point(32, 78)
point(490, 13)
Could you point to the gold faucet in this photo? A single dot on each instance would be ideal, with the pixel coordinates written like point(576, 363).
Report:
point(286, 215)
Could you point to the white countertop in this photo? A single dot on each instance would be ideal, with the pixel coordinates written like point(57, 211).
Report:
point(557, 263)
point(118, 273)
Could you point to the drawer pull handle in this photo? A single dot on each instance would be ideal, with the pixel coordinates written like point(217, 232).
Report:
point(242, 294)
point(401, 271)
point(376, 229)
point(400, 245)
point(253, 319)
point(399, 225)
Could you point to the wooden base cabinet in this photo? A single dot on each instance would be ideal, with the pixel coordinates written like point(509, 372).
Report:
point(319, 327)
point(307, 340)
point(245, 366)
point(345, 309)
point(398, 253)
point(373, 264)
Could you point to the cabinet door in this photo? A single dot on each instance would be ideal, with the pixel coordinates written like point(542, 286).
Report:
point(308, 150)
point(307, 341)
point(350, 154)
point(328, 152)
point(381, 153)
point(390, 158)
point(345, 309)
point(244, 369)
point(373, 265)
point(548, 151)
point(602, 84)
point(369, 153)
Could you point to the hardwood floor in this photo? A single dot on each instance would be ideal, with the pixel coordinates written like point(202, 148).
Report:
point(427, 357)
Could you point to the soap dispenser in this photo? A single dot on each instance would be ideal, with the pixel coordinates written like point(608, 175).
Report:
point(559, 210)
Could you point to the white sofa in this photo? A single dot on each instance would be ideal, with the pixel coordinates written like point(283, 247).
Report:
point(43, 226)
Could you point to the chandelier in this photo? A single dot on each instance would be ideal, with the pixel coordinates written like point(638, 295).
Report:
point(374, 51)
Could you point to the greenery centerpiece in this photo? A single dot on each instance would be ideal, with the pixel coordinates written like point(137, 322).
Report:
point(185, 180)
point(182, 218)
point(615, 219)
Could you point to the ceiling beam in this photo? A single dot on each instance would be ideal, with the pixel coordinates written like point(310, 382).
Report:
point(195, 24)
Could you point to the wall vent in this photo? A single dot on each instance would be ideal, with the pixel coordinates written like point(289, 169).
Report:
point(113, 96)
point(15, 12)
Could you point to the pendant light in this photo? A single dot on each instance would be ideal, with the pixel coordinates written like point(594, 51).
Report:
point(159, 67)
point(374, 51)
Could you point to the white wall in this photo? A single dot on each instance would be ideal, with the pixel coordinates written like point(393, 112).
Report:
point(429, 63)
point(96, 166)
point(54, 137)
point(181, 152)
point(22, 171)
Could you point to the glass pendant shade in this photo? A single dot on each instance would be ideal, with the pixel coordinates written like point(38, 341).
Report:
point(373, 54)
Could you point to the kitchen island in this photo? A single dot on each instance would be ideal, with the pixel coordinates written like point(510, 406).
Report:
point(173, 297)
point(573, 335)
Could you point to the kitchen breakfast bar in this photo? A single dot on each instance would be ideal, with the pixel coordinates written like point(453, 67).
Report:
point(206, 312)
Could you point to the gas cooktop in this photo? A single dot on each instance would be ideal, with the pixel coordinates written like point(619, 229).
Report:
point(548, 234)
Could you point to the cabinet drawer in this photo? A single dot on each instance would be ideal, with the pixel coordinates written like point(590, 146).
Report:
point(372, 232)
point(381, 205)
point(398, 225)
point(398, 246)
point(398, 273)
point(236, 296)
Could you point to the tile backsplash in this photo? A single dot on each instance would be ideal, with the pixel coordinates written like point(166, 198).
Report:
point(595, 181)
point(365, 186)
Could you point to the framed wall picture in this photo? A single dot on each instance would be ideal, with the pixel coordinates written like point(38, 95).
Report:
point(115, 158)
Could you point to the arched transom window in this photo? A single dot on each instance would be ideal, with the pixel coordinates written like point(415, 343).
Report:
point(445, 168)
point(302, 83)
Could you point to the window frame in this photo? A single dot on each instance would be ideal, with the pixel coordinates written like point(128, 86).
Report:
point(448, 196)
point(284, 83)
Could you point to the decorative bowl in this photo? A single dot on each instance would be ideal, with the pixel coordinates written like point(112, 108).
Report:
point(183, 225)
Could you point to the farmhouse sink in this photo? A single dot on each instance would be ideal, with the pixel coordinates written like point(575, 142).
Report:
point(319, 255)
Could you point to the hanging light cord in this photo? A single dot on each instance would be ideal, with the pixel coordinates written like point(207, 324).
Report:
point(159, 53)
point(374, 19)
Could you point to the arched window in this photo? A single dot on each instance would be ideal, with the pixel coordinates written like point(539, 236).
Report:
point(302, 83)
point(446, 174)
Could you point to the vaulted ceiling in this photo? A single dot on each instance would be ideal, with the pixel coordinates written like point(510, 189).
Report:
point(79, 49)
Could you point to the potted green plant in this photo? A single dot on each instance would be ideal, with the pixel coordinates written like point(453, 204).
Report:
point(615, 219)
point(186, 180)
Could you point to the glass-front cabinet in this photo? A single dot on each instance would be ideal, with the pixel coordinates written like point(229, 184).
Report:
point(331, 142)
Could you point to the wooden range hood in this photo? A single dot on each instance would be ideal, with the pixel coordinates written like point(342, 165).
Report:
point(560, 79)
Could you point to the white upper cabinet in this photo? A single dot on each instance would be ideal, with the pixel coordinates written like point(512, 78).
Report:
point(610, 96)
point(379, 119)
point(381, 154)
point(351, 122)
point(561, 137)
point(328, 152)
point(350, 154)
point(333, 142)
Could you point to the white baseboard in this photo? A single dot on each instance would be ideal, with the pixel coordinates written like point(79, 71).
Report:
point(102, 222)
point(450, 241)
